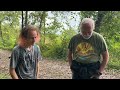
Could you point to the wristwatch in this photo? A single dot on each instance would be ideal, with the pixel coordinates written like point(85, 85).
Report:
point(99, 73)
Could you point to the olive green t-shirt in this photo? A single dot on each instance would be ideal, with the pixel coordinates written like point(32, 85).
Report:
point(87, 50)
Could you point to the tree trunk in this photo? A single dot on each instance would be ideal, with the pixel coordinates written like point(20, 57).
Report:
point(1, 34)
point(41, 19)
point(44, 31)
point(100, 17)
point(26, 17)
point(22, 20)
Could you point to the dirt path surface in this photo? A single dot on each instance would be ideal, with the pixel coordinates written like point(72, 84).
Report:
point(49, 69)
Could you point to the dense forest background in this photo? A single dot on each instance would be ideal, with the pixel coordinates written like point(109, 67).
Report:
point(57, 28)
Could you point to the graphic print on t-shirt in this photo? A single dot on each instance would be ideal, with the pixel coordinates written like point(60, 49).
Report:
point(85, 51)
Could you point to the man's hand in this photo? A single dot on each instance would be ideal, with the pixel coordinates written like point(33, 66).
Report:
point(96, 75)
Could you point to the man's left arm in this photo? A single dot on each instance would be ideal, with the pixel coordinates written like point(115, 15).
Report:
point(39, 57)
point(105, 56)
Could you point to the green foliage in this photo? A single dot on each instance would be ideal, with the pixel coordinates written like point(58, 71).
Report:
point(57, 48)
point(89, 14)
point(110, 30)
point(114, 62)
point(55, 51)
point(9, 37)
point(4, 76)
point(9, 26)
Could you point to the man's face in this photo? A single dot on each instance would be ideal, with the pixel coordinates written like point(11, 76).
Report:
point(32, 37)
point(86, 30)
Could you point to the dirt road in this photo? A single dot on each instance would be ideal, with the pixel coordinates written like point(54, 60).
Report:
point(49, 69)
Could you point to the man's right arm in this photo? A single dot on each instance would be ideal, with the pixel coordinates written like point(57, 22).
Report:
point(13, 63)
point(13, 73)
point(70, 57)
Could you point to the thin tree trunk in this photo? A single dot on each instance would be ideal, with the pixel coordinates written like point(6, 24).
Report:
point(44, 31)
point(100, 17)
point(22, 20)
point(26, 19)
point(1, 35)
point(41, 19)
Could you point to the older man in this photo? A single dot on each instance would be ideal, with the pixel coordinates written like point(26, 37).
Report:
point(87, 52)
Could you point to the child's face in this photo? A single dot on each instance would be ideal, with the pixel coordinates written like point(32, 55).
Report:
point(32, 37)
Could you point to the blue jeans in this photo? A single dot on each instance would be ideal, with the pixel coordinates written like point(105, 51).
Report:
point(84, 71)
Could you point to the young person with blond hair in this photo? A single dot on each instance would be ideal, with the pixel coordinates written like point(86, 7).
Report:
point(24, 61)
